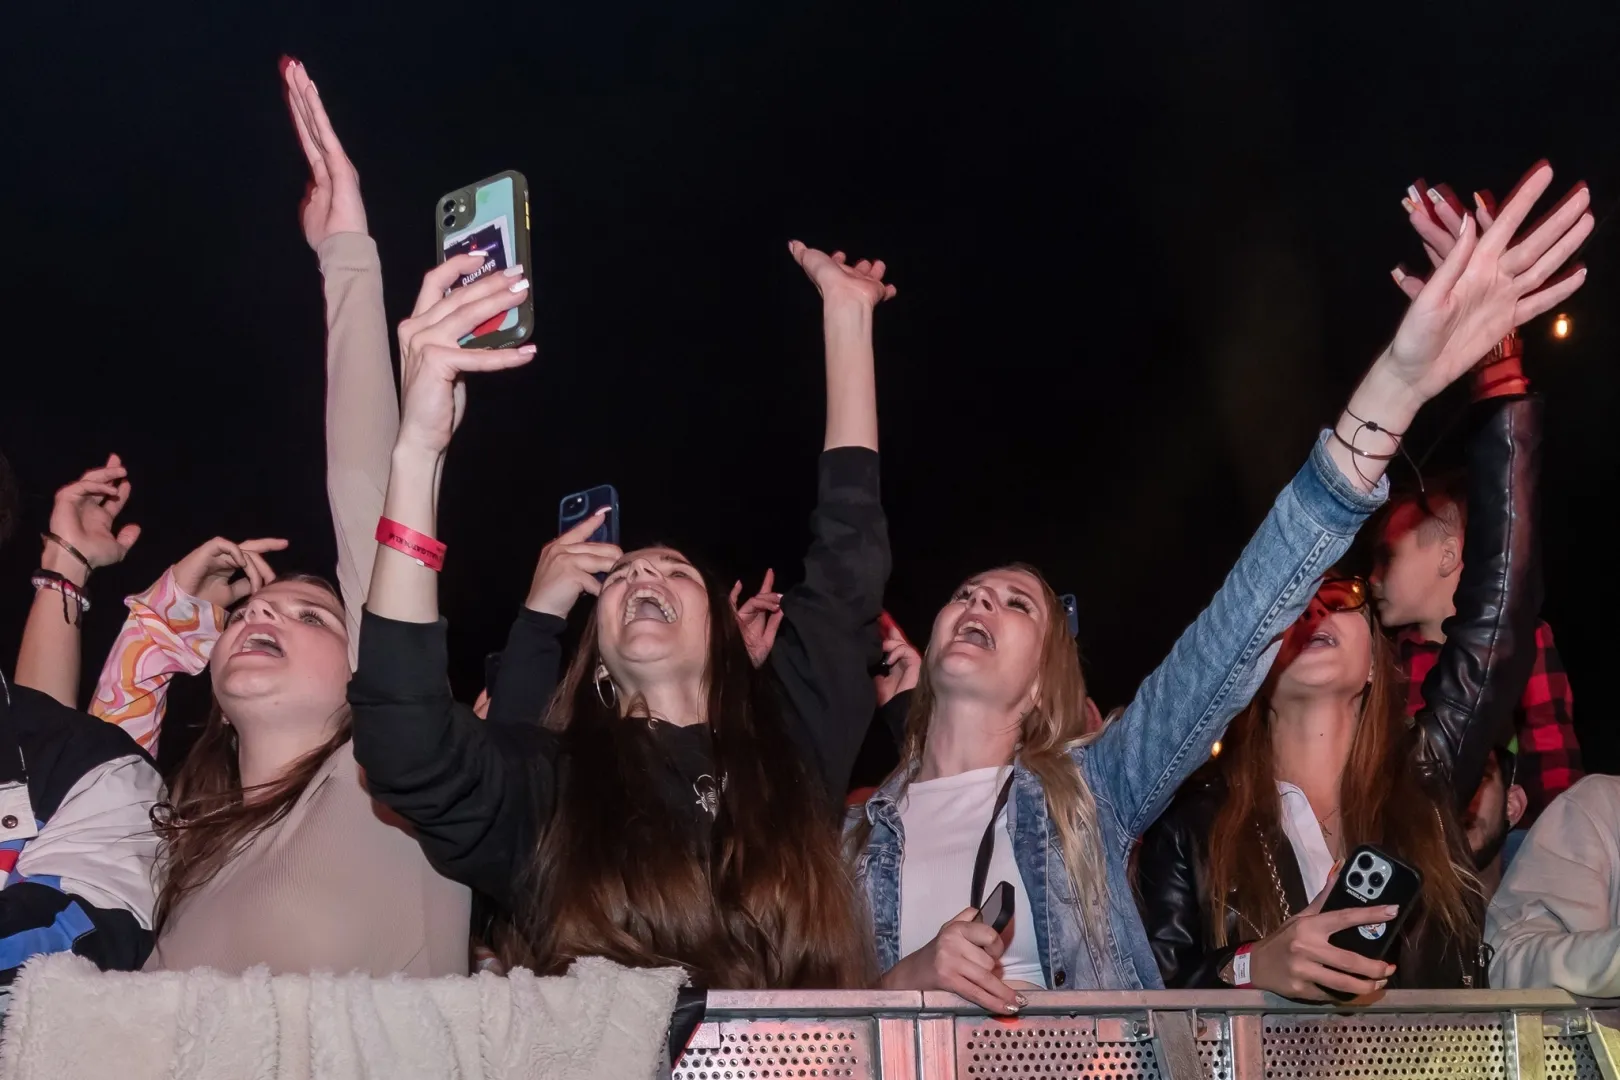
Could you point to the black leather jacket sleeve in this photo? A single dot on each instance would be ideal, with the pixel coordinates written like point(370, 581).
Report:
point(1171, 895)
point(1476, 682)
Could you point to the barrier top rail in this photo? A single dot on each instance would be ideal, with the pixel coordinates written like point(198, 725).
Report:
point(1046, 1002)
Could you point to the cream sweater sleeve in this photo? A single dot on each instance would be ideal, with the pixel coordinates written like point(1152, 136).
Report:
point(362, 411)
point(1555, 921)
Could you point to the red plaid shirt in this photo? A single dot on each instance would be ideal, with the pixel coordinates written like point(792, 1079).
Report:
point(1549, 754)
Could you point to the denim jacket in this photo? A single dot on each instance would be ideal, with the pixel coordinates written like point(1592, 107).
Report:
point(1136, 764)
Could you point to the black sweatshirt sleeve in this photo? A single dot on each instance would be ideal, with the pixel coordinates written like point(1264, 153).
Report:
point(829, 637)
point(473, 798)
point(1470, 694)
point(529, 667)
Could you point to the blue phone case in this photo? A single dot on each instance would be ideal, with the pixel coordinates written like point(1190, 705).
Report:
point(581, 504)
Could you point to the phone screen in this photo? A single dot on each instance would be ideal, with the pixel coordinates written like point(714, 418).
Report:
point(490, 233)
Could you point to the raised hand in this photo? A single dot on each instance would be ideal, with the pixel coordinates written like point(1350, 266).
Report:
point(836, 280)
point(1436, 214)
point(332, 202)
point(903, 660)
point(568, 567)
point(1487, 285)
point(208, 571)
point(83, 515)
point(759, 618)
point(432, 395)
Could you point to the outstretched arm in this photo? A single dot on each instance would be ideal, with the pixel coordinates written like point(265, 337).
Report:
point(362, 407)
point(828, 639)
point(82, 539)
point(1481, 290)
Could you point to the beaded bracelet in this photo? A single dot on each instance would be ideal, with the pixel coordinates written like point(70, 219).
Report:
point(71, 593)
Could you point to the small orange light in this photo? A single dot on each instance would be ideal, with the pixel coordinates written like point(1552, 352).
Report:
point(1562, 326)
point(1215, 751)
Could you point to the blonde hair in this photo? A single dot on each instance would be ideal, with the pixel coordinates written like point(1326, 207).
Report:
point(1047, 734)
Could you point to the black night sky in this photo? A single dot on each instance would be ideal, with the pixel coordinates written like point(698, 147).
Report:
point(1142, 254)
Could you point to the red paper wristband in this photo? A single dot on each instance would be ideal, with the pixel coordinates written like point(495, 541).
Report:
point(425, 550)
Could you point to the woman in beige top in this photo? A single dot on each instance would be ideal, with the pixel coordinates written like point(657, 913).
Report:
point(273, 852)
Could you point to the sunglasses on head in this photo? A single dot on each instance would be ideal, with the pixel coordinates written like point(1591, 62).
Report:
point(1343, 594)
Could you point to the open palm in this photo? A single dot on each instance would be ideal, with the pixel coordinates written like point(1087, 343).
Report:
point(1487, 285)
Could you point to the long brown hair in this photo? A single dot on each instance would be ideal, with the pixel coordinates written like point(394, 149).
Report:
point(1049, 731)
point(206, 819)
point(617, 872)
point(1383, 800)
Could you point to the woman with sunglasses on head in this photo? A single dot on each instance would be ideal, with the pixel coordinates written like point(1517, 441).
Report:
point(996, 727)
point(677, 805)
point(1233, 878)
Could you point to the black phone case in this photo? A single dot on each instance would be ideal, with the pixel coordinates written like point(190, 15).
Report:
point(1402, 888)
point(999, 917)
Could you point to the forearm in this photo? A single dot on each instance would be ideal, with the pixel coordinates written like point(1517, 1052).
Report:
point(362, 410)
point(168, 633)
point(401, 587)
point(851, 384)
point(1472, 692)
point(1380, 399)
point(48, 660)
point(1540, 954)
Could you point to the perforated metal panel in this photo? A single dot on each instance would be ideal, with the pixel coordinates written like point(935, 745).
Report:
point(1569, 1057)
point(1215, 1055)
point(1055, 1046)
point(1416, 1045)
point(780, 1049)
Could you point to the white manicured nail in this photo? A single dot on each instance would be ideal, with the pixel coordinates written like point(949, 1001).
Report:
point(520, 286)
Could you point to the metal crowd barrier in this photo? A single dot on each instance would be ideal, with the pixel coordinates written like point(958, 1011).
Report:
point(1158, 1035)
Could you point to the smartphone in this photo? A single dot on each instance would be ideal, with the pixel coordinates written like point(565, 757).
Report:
point(491, 218)
point(581, 504)
point(1372, 878)
point(997, 911)
point(1071, 613)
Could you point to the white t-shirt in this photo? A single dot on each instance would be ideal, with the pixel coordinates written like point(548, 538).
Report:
point(944, 823)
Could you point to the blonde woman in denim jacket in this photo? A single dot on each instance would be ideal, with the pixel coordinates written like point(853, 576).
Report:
point(995, 723)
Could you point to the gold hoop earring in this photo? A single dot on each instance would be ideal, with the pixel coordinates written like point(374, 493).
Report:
point(602, 676)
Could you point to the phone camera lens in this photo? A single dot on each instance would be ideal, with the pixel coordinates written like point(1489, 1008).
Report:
point(576, 503)
point(449, 206)
point(449, 220)
point(1355, 880)
point(1375, 879)
point(1365, 862)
